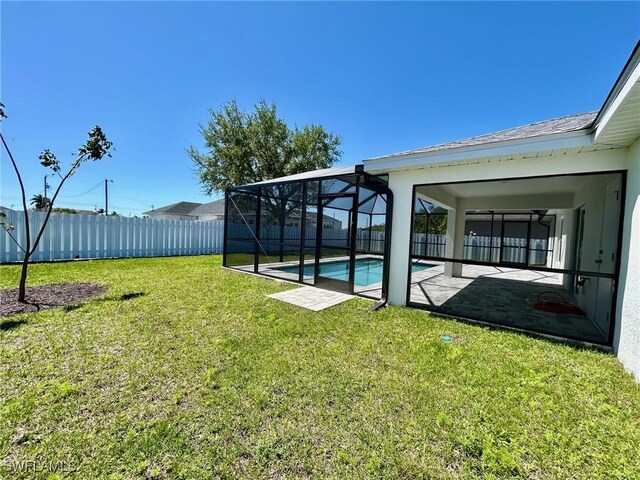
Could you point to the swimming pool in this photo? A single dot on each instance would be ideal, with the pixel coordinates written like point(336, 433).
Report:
point(367, 272)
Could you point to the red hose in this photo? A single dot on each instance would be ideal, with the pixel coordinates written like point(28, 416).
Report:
point(556, 306)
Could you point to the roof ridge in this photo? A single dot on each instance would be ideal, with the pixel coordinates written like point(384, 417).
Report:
point(473, 141)
point(592, 112)
point(167, 208)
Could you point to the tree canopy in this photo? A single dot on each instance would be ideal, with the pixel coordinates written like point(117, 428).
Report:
point(250, 147)
point(437, 220)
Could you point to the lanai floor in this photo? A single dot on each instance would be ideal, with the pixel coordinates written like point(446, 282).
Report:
point(502, 295)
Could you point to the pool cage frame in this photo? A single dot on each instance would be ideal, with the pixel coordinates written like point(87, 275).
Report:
point(252, 209)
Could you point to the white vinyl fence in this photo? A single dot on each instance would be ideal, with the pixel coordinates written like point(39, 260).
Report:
point(514, 250)
point(96, 236)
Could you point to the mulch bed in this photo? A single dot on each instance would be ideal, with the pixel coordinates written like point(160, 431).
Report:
point(47, 296)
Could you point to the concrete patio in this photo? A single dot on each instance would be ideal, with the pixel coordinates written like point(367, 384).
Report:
point(501, 295)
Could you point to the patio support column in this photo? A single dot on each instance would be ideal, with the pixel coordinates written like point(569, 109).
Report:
point(451, 237)
point(455, 239)
point(458, 244)
point(401, 226)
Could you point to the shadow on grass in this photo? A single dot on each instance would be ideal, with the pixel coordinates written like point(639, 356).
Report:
point(71, 308)
point(130, 296)
point(575, 344)
point(11, 324)
point(119, 298)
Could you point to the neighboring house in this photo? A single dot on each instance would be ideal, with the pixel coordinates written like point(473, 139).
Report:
point(209, 211)
point(189, 211)
point(294, 220)
point(572, 181)
point(6, 210)
point(214, 211)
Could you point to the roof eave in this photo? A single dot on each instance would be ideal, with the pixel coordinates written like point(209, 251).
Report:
point(618, 122)
point(578, 138)
point(621, 81)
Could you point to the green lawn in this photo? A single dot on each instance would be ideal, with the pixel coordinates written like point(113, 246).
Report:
point(202, 376)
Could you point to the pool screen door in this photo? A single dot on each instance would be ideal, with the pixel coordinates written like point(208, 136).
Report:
point(335, 256)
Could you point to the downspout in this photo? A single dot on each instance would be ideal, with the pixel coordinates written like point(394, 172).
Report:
point(541, 214)
point(384, 190)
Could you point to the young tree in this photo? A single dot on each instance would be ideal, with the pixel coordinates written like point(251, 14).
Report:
point(95, 148)
point(250, 147)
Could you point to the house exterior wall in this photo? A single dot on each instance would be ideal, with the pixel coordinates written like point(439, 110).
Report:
point(563, 255)
point(169, 216)
point(401, 183)
point(591, 197)
point(208, 218)
point(627, 335)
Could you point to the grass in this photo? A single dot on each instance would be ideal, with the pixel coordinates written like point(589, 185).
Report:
point(186, 370)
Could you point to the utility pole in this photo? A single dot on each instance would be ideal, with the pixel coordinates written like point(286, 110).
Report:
point(106, 195)
point(46, 186)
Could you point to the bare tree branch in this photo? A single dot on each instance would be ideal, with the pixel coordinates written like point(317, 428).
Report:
point(24, 196)
point(71, 171)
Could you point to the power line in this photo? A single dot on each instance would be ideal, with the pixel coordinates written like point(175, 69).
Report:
point(80, 194)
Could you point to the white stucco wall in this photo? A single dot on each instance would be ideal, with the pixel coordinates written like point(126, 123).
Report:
point(627, 334)
point(170, 216)
point(209, 218)
point(591, 196)
point(562, 255)
point(400, 235)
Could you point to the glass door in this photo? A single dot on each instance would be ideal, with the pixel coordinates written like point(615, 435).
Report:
point(335, 257)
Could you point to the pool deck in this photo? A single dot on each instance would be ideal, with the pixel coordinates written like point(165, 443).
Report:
point(492, 294)
point(373, 291)
point(273, 269)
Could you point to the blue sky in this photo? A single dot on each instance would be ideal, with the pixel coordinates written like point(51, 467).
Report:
point(386, 77)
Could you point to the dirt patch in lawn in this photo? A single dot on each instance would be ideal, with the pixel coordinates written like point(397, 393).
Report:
point(42, 297)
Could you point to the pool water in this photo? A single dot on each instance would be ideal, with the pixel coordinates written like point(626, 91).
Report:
point(368, 270)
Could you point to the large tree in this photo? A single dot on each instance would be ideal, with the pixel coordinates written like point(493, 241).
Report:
point(95, 148)
point(243, 147)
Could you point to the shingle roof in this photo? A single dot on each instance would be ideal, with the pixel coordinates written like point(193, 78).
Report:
point(570, 123)
point(212, 208)
point(180, 208)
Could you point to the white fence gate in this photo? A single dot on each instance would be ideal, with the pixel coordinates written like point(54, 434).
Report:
point(95, 236)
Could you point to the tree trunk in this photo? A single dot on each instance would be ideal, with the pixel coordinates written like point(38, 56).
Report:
point(22, 290)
